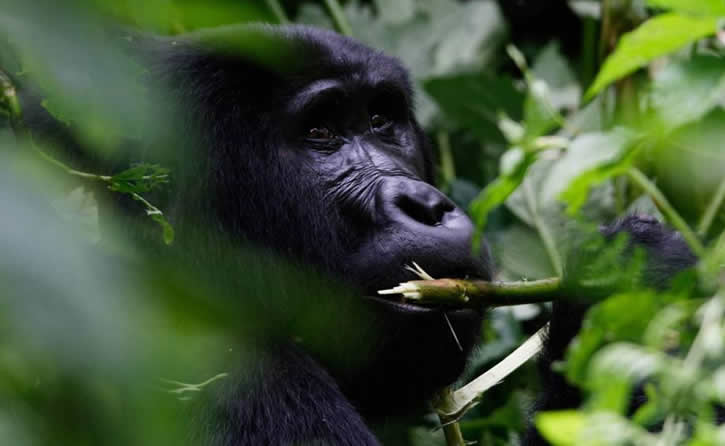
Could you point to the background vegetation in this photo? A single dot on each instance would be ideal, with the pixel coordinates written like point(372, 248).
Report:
point(548, 117)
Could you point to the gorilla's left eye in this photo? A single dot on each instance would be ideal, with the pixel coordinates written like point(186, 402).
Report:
point(320, 134)
point(379, 122)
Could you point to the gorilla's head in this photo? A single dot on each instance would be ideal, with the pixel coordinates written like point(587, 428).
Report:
point(312, 149)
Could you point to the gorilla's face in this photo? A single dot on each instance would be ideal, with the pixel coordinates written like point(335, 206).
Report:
point(356, 141)
point(320, 158)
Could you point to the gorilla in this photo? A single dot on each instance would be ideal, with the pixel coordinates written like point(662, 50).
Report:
point(304, 143)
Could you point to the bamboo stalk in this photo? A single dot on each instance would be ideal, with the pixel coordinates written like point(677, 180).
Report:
point(477, 293)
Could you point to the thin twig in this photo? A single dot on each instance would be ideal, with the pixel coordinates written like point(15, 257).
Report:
point(703, 227)
point(667, 209)
point(278, 11)
point(543, 229)
point(448, 168)
point(338, 17)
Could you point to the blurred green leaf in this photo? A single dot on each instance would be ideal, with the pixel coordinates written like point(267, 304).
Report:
point(576, 193)
point(552, 67)
point(586, 152)
point(139, 179)
point(702, 7)
point(474, 101)
point(520, 253)
point(496, 192)
point(96, 90)
point(622, 317)
point(561, 428)
point(177, 16)
point(540, 116)
point(615, 368)
point(655, 38)
point(686, 90)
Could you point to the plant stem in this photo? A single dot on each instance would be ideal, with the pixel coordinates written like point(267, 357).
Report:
point(708, 217)
point(278, 11)
point(477, 293)
point(454, 405)
point(667, 209)
point(451, 428)
point(544, 233)
point(338, 17)
point(448, 168)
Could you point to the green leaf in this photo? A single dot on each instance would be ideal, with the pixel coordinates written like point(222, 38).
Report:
point(167, 229)
point(139, 179)
point(685, 91)
point(587, 151)
point(575, 195)
point(622, 317)
point(702, 7)
point(496, 192)
point(656, 37)
point(615, 368)
point(475, 101)
point(519, 253)
point(540, 116)
point(561, 428)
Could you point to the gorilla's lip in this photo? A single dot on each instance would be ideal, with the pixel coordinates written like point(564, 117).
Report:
point(420, 309)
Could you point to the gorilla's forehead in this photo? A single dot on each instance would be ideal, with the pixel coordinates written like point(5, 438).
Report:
point(347, 59)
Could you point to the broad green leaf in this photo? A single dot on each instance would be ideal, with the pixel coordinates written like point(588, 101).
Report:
point(575, 195)
point(655, 38)
point(686, 90)
point(586, 152)
point(561, 428)
point(395, 11)
point(703, 7)
point(519, 253)
point(615, 368)
point(540, 116)
point(474, 101)
point(496, 192)
point(622, 317)
point(553, 68)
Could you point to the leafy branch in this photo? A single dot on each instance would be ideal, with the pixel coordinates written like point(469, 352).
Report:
point(139, 179)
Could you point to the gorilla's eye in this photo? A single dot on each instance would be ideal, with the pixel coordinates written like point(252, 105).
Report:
point(320, 134)
point(379, 122)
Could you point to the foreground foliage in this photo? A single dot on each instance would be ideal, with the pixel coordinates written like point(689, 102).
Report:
point(528, 139)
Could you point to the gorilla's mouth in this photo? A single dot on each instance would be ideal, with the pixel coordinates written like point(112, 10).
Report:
point(400, 304)
point(412, 308)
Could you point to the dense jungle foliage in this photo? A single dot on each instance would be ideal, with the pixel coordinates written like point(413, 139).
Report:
point(547, 119)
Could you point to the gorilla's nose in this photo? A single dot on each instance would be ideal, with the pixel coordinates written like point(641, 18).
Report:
point(406, 199)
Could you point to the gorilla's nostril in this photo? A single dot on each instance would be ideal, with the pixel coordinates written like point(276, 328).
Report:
point(428, 207)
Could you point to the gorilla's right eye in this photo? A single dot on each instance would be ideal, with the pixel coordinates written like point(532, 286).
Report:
point(320, 134)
